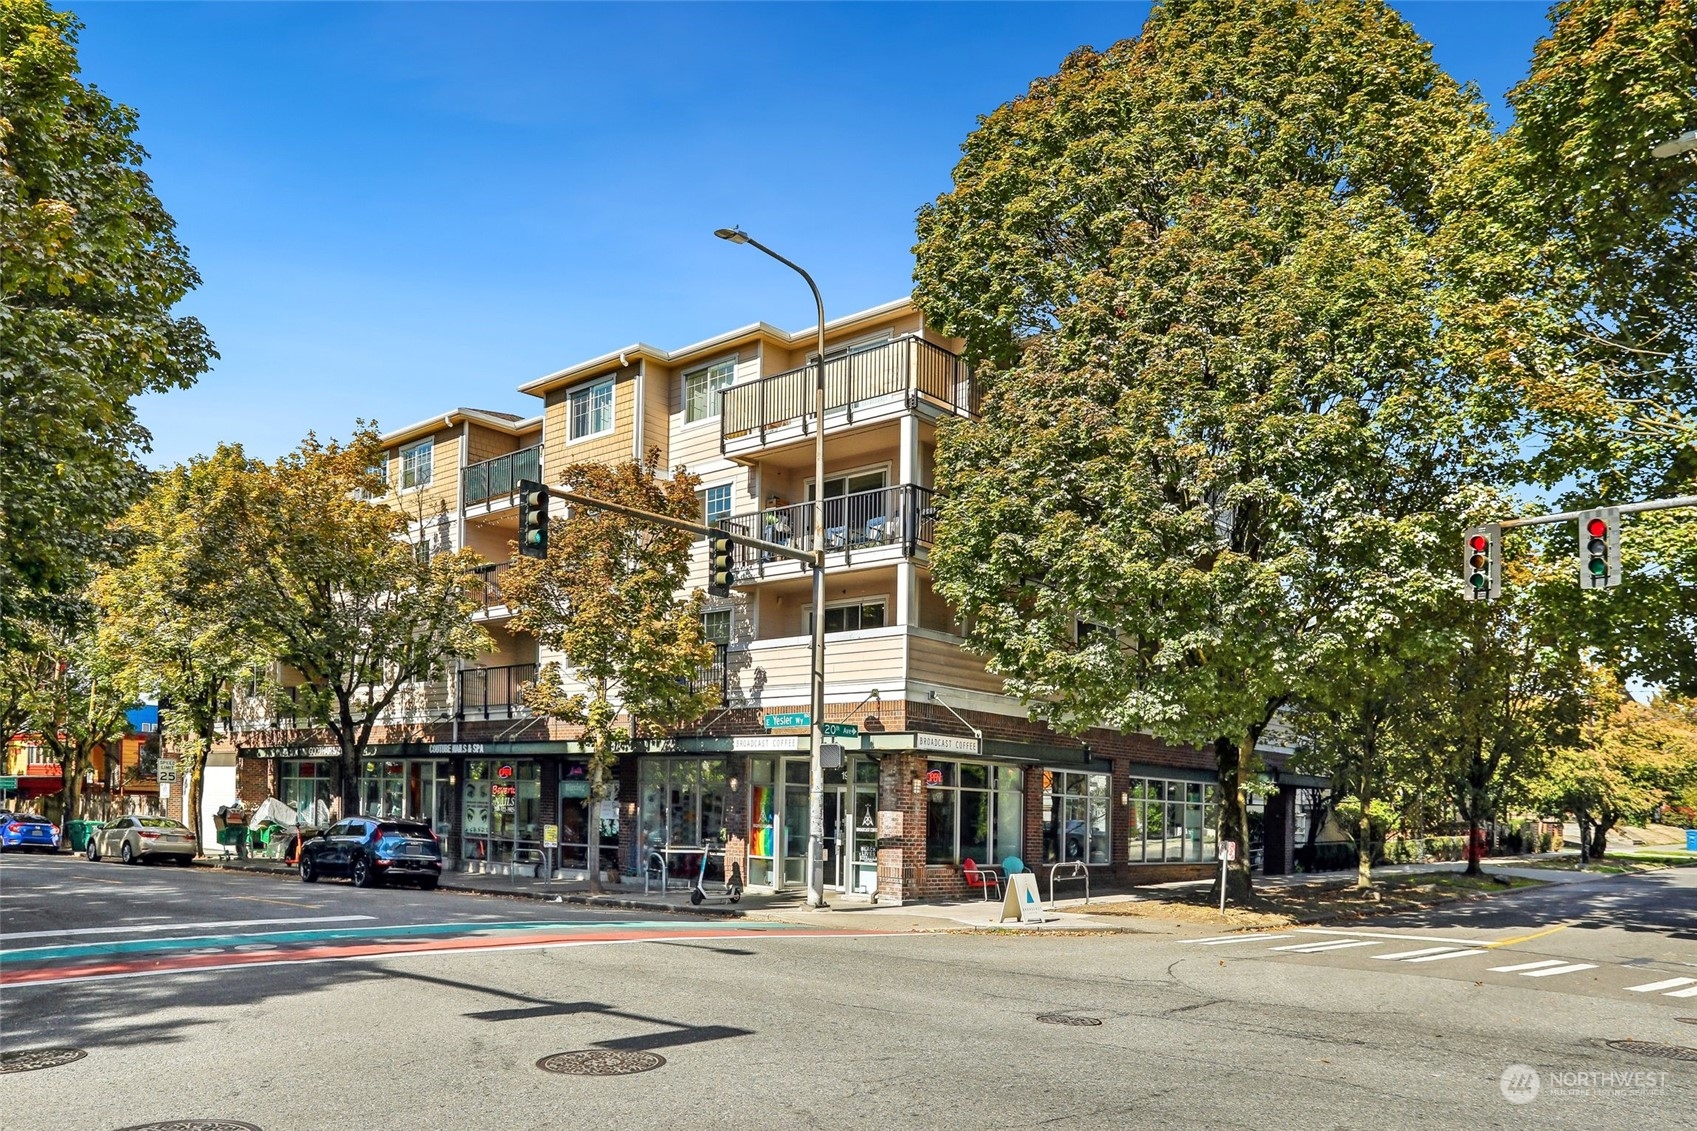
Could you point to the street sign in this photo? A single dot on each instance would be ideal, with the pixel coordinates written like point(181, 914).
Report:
point(1228, 851)
point(167, 771)
point(839, 730)
point(550, 836)
point(778, 722)
point(8, 783)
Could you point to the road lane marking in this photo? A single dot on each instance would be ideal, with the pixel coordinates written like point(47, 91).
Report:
point(1667, 985)
point(1401, 954)
point(1326, 947)
point(1528, 938)
point(181, 926)
point(1220, 940)
point(1573, 968)
point(1441, 957)
point(209, 962)
point(1528, 966)
point(1692, 992)
point(1387, 938)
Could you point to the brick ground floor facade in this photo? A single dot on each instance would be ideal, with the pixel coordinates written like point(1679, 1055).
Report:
point(917, 794)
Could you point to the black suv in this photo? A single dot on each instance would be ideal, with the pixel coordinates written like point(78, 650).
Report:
point(370, 851)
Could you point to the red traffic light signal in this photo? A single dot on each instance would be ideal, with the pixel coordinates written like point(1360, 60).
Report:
point(1599, 548)
point(1482, 565)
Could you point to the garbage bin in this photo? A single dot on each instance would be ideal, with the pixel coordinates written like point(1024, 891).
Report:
point(78, 832)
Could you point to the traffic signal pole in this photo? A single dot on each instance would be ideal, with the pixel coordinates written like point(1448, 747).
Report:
point(1624, 508)
point(1599, 544)
point(592, 503)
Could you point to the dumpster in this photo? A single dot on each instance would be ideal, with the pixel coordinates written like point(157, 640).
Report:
point(78, 832)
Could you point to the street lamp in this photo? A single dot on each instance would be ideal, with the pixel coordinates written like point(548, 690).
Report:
point(816, 714)
point(1673, 147)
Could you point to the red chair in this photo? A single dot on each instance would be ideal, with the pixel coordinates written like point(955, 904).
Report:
point(983, 877)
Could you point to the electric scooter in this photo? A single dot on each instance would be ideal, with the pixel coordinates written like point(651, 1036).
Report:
point(732, 891)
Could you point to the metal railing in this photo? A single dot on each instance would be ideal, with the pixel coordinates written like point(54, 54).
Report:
point(909, 366)
point(714, 674)
point(489, 579)
point(493, 693)
point(500, 476)
point(904, 516)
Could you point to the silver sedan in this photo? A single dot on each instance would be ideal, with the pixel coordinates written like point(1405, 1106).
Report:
point(134, 839)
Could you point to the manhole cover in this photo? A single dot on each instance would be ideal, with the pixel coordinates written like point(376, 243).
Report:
point(193, 1125)
point(1651, 1048)
point(28, 1060)
point(1067, 1019)
point(600, 1062)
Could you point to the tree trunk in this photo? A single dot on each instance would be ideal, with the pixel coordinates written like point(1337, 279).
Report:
point(1474, 836)
point(1234, 820)
point(194, 799)
point(1584, 837)
point(597, 790)
point(1364, 849)
point(1600, 837)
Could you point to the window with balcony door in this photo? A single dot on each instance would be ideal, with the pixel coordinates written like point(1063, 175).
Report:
point(856, 508)
point(702, 387)
point(716, 626)
point(853, 616)
point(591, 410)
point(415, 464)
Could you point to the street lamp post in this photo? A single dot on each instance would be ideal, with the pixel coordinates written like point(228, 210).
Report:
point(816, 713)
point(1673, 147)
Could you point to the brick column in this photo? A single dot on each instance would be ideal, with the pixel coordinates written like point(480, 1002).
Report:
point(736, 819)
point(901, 850)
point(1119, 784)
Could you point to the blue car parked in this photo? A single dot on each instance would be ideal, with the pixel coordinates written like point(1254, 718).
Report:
point(21, 830)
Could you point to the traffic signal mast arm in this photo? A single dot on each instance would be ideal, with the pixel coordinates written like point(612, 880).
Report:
point(1624, 508)
point(702, 529)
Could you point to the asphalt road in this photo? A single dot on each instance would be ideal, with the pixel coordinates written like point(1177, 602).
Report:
point(434, 1012)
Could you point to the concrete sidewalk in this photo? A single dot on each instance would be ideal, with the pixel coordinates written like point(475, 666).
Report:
point(844, 911)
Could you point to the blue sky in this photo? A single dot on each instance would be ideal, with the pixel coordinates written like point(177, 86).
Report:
point(402, 208)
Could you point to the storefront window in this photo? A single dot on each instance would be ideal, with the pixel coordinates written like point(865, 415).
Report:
point(305, 785)
point(502, 808)
point(409, 788)
point(972, 810)
point(1171, 821)
point(762, 843)
point(1075, 817)
point(683, 801)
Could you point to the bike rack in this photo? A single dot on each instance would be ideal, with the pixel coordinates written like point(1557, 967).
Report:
point(648, 872)
point(1079, 871)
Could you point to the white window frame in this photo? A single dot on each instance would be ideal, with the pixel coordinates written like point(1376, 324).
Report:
point(882, 469)
point(847, 603)
point(729, 616)
point(590, 391)
point(717, 376)
point(410, 477)
point(708, 514)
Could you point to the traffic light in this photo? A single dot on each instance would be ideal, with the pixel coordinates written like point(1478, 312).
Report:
point(533, 519)
point(721, 564)
point(1482, 562)
point(1599, 548)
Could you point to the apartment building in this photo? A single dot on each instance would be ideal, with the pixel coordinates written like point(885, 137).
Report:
point(945, 766)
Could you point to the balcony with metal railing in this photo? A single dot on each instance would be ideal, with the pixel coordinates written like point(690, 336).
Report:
point(492, 603)
point(908, 374)
point(888, 522)
point(497, 479)
point(494, 693)
point(714, 674)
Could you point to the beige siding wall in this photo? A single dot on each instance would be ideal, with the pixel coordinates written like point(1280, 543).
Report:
point(949, 665)
point(784, 612)
point(854, 660)
point(611, 447)
point(656, 415)
point(441, 494)
point(934, 611)
point(487, 443)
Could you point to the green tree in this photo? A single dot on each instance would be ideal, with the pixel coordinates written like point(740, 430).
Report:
point(332, 582)
point(607, 599)
point(77, 705)
point(1236, 299)
point(164, 612)
point(89, 272)
point(1630, 759)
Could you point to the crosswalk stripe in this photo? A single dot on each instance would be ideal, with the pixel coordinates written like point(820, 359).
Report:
point(1692, 992)
point(1528, 966)
point(1573, 968)
point(1667, 985)
point(1325, 948)
point(1451, 954)
point(1410, 954)
point(1238, 938)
